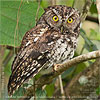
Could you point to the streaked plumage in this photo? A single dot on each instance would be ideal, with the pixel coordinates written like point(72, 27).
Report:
point(49, 42)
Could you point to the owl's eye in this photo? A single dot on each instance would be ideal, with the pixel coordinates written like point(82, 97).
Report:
point(70, 20)
point(55, 18)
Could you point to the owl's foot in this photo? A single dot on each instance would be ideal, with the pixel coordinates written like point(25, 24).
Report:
point(57, 67)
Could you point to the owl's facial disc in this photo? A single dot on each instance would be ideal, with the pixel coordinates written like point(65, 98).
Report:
point(60, 15)
point(72, 20)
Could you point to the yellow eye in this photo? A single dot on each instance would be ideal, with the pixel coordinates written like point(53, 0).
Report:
point(55, 18)
point(70, 20)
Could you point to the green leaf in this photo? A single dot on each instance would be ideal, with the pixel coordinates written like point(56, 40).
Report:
point(79, 69)
point(44, 3)
point(6, 63)
point(40, 94)
point(98, 90)
point(89, 45)
point(66, 2)
point(94, 35)
point(12, 12)
point(68, 72)
point(20, 92)
point(93, 0)
point(93, 8)
point(50, 90)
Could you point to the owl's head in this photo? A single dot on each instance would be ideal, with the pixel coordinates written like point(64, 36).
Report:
point(61, 16)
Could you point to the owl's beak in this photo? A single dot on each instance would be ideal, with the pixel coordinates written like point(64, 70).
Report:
point(62, 28)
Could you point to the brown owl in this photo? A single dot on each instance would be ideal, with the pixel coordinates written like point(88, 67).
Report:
point(52, 41)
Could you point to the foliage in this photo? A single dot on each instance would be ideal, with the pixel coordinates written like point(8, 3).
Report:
point(98, 90)
point(41, 94)
point(11, 31)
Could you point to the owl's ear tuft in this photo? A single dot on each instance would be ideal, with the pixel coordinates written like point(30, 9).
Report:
point(48, 8)
point(45, 9)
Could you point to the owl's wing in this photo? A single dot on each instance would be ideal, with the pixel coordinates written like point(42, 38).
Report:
point(29, 44)
point(32, 56)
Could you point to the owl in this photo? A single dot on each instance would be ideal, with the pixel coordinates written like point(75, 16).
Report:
point(52, 41)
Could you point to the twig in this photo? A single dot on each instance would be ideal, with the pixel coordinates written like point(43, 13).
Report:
point(93, 19)
point(43, 80)
point(52, 2)
point(34, 89)
point(2, 85)
point(8, 58)
point(36, 18)
point(98, 8)
point(86, 9)
point(83, 6)
point(17, 22)
point(61, 88)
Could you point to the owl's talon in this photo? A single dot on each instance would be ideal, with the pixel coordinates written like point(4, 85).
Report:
point(57, 67)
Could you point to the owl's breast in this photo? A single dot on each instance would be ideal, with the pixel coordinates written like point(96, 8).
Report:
point(63, 50)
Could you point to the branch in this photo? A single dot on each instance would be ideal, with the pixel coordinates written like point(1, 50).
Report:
point(83, 6)
point(84, 84)
point(85, 9)
point(2, 86)
point(43, 80)
point(93, 19)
